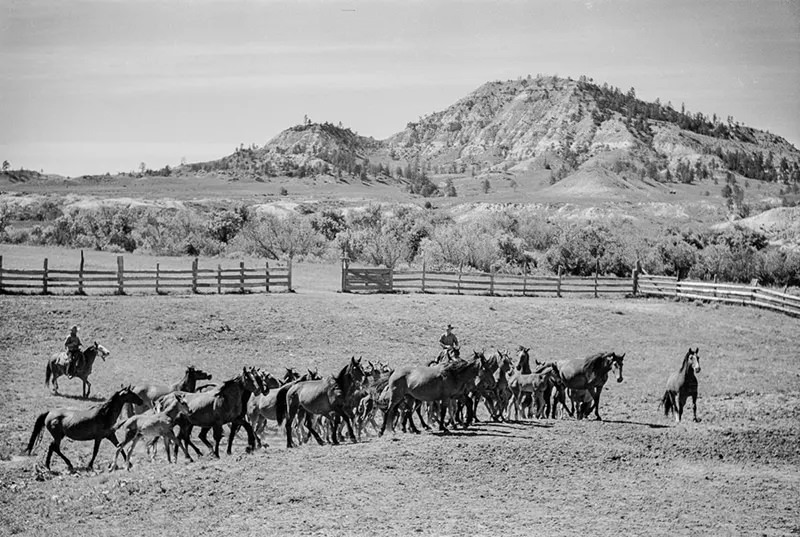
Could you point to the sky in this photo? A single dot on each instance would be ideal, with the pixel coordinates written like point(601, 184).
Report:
point(95, 86)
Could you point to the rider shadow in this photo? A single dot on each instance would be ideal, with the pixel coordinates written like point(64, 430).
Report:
point(93, 398)
point(651, 425)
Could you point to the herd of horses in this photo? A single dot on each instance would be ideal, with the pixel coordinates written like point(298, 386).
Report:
point(447, 391)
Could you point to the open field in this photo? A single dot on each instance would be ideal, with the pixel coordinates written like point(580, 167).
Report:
point(737, 472)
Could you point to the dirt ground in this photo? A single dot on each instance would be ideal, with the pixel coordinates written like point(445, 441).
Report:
point(736, 472)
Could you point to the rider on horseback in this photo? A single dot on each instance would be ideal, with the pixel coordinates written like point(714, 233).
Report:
point(449, 343)
point(74, 354)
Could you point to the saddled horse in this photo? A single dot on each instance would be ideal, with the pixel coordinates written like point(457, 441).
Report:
point(149, 393)
point(328, 396)
point(682, 385)
point(224, 404)
point(439, 383)
point(57, 366)
point(591, 374)
point(94, 423)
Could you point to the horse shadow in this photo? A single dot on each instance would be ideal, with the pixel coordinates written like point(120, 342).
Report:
point(650, 425)
point(93, 398)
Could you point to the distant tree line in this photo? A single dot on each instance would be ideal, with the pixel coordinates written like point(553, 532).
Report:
point(506, 240)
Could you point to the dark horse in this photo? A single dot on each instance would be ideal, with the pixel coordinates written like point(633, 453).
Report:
point(226, 403)
point(57, 366)
point(95, 423)
point(149, 393)
point(591, 374)
point(682, 385)
point(326, 396)
point(439, 383)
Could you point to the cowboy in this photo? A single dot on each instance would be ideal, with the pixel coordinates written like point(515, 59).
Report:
point(74, 354)
point(449, 343)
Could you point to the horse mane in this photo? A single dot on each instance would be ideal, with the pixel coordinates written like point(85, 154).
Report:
point(457, 367)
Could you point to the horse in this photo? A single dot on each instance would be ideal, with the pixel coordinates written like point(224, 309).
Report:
point(591, 374)
point(94, 423)
point(438, 383)
point(149, 393)
point(326, 396)
point(582, 402)
point(537, 384)
point(682, 385)
point(224, 404)
point(263, 407)
point(153, 425)
point(57, 366)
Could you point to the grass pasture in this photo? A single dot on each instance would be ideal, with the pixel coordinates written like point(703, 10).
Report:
point(737, 472)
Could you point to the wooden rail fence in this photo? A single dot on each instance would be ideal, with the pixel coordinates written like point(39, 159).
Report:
point(384, 280)
point(122, 281)
point(744, 295)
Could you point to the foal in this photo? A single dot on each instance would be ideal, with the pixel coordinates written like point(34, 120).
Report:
point(152, 425)
point(682, 385)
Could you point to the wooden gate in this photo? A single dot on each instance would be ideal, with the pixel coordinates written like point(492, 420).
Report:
point(378, 280)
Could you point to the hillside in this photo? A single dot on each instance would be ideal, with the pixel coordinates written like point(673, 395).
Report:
point(528, 140)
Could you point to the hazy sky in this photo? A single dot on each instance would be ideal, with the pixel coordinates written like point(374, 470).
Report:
point(89, 86)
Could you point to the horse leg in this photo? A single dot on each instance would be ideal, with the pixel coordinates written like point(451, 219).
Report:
point(234, 429)
point(135, 441)
point(596, 397)
point(681, 404)
point(55, 447)
point(87, 388)
point(203, 436)
point(418, 407)
point(310, 427)
point(95, 450)
point(251, 435)
point(217, 432)
point(343, 413)
point(694, 406)
point(442, 414)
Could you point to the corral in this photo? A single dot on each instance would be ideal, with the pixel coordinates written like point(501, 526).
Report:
point(637, 473)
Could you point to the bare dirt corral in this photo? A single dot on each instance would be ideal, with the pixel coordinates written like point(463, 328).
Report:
point(737, 472)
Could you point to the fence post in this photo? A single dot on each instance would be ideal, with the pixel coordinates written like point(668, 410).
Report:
point(491, 281)
point(558, 283)
point(44, 277)
point(289, 276)
point(158, 277)
point(194, 275)
point(219, 279)
point(423, 276)
point(636, 269)
point(715, 285)
point(80, 276)
point(460, 273)
point(266, 275)
point(677, 286)
point(120, 275)
point(1, 274)
point(525, 279)
point(391, 279)
point(345, 267)
point(241, 277)
point(596, 271)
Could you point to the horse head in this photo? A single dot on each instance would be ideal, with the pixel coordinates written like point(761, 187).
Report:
point(196, 374)
point(694, 357)
point(250, 380)
point(290, 375)
point(616, 364)
point(523, 358)
point(355, 371)
point(268, 382)
point(127, 395)
point(313, 374)
point(95, 350)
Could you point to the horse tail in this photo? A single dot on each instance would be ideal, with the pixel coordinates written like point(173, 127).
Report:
point(37, 432)
point(280, 404)
point(48, 371)
point(666, 402)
